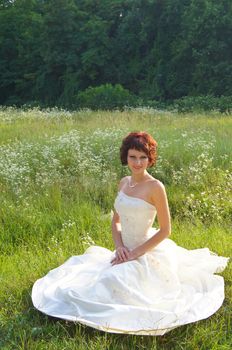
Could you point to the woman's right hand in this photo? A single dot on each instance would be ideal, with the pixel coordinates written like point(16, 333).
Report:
point(121, 255)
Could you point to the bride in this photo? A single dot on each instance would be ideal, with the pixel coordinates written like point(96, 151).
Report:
point(148, 285)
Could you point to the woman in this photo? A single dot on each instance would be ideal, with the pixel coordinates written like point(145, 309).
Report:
point(148, 285)
point(138, 151)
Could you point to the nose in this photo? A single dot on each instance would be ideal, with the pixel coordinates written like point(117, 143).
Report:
point(138, 161)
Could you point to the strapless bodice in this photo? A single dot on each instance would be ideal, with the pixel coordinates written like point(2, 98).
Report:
point(136, 217)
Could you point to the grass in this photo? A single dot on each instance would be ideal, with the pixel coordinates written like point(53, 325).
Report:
point(58, 180)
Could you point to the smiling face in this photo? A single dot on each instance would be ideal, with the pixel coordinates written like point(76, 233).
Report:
point(137, 161)
point(140, 142)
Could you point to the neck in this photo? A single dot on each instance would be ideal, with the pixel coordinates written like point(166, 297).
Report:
point(140, 177)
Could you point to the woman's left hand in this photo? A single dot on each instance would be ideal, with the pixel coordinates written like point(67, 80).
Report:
point(131, 256)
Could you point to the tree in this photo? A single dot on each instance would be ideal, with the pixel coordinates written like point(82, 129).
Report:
point(20, 26)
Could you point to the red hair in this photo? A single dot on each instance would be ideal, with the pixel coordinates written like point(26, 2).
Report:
point(141, 141)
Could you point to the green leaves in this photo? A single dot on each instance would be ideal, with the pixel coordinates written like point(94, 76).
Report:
point(50, 51)
point(106, 97)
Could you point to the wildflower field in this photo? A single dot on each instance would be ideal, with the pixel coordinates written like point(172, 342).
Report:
point(58, 179)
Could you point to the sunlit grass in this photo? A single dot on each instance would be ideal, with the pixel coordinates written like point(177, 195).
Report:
point(58, 180)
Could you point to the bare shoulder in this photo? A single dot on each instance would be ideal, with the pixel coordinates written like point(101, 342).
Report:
point(123, 181)
point(157, 189)
point(156, 185)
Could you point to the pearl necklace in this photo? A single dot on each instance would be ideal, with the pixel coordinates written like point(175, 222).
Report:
point(129, 183)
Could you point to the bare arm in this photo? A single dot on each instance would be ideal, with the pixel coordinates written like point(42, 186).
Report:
point(122, 253)
point(116, 230)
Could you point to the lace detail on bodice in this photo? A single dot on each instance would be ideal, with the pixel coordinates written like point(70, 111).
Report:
point(136, 217)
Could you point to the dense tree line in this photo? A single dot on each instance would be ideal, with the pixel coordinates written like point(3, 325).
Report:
point(157, 49)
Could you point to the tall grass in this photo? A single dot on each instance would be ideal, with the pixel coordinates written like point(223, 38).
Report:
point(58, 180)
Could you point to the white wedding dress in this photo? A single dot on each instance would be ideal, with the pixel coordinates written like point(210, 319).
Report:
point(167, 287)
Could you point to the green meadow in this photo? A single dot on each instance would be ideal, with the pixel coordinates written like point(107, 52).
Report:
point(59, 172)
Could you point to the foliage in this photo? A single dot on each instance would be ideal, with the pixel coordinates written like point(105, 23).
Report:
point(50, 51)
point(207, 103)
point(106, 97)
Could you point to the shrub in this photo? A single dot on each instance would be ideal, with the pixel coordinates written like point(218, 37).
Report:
point(203, 103)
point(224, 104)
point(106, 97)
point(156, 104)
